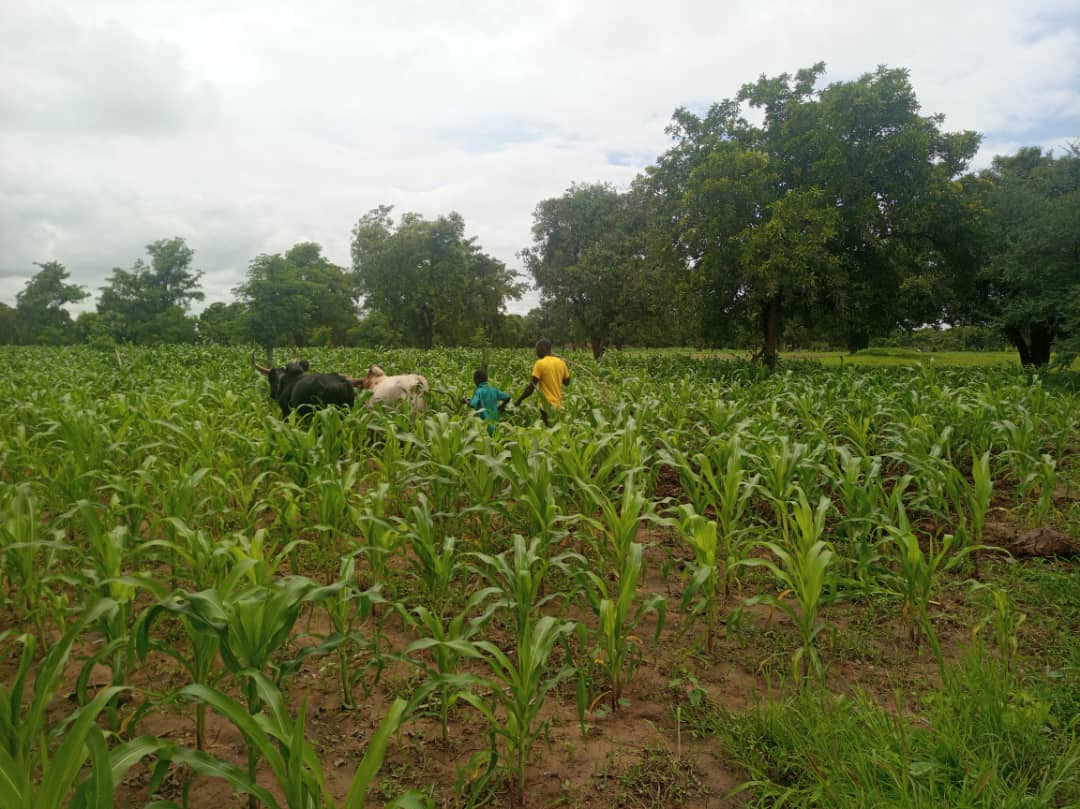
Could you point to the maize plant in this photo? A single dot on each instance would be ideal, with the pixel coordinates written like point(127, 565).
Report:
point(707, 586)
point(276, 738)
point(518, 684)
point(29, 557)
point(518, 578)
point(449, 642)
point(433, 562)
point(40, 765)
point(620, 519)
point(251, 626)
point(379, 538)
point(802, 569)
point(917, 570)
point(618, 613)
point(346, 606)
point(203, 641)
point(533, 507)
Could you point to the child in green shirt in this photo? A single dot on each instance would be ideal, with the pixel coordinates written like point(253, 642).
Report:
point(487, 401)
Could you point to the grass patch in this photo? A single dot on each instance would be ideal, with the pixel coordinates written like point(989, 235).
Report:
point(984, 740)
point(659, 779)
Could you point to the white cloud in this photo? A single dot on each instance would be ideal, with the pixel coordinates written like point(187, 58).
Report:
point(247, 126)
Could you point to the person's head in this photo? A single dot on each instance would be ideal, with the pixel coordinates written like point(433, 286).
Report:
point(479, 376)
point(543, 347)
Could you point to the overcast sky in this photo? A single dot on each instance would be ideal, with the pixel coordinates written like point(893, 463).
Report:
point(246, 126)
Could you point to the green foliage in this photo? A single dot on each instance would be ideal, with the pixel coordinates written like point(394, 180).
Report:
point(433, 285)
point(149, 303)
point(223, 323)
point(1031, 278)
point(590, 264)
point(29, 554)
point(40, 318)
point(41, 761)
point(958, 338)
point(802, 569)
point(811, 212)
point(619, 611)
point(518, 685)
point(8, 325)
point(278, 739)
point(449, 644)
point(164, 492)
point(983, 741)
point(299, 298)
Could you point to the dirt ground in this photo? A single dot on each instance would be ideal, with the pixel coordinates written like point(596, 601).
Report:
point(640, 755)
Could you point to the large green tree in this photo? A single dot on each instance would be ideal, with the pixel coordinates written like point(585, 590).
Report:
point(830, 208)
point(1031, 273)
point(149, 303)
point(590, 260)
point(433, 285)
point(298, 298)
point(41, 318)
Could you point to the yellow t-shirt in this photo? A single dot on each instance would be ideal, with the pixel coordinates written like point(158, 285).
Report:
point(551, 371)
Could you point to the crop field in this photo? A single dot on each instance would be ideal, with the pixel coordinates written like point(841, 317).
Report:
point(706, 584)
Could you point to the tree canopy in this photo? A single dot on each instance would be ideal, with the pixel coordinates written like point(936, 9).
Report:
point(432, 284)
point(149, 302)
point(826, 208)
point(591, 263)
point(40, 317)
point(1031, 272)
point(299, 298)
point(820, 214)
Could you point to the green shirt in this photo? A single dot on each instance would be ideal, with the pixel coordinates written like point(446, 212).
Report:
point(486, 400)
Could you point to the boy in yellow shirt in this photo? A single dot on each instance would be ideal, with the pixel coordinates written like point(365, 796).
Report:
point(550, 374)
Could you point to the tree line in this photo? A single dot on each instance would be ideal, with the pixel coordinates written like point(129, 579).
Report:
point(837, 214)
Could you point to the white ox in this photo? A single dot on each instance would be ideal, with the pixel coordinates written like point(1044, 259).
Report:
point(391, 391)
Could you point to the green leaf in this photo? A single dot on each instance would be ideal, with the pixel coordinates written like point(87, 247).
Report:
point(373, 756)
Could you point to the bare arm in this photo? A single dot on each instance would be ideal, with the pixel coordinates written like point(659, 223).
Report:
point(525, 394)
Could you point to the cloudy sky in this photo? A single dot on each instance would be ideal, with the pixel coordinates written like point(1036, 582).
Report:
point(248, 125)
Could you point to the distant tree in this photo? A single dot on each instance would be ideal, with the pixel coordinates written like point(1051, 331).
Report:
point(432, 284)
point(171, 279)
point(223, 323)
point(829, 209)
point(8, 327)
point(510, 332)
point(299, 298)
point(374, 330)
point(149, 303)
point(553, 321)
point(590, 259)
point(1031, 274)
point(39, 309)
point(89, 328)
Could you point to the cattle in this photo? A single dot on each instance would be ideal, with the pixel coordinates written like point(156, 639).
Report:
point(393, 390)
point(295, 388)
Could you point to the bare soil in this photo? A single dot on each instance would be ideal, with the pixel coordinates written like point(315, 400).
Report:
point(639, 755)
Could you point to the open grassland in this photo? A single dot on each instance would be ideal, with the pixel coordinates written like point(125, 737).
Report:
point(882, 357)
point(707, 584)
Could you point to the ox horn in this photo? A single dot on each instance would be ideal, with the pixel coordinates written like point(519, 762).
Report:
point(258, 367)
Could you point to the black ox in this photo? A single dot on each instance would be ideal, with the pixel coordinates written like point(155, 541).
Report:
point(294, 388)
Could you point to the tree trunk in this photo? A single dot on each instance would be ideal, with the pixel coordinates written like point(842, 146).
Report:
point(1042, 339)
point(857, 341)
point(1035, 351)
point(597, 348)
point(771, 323)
